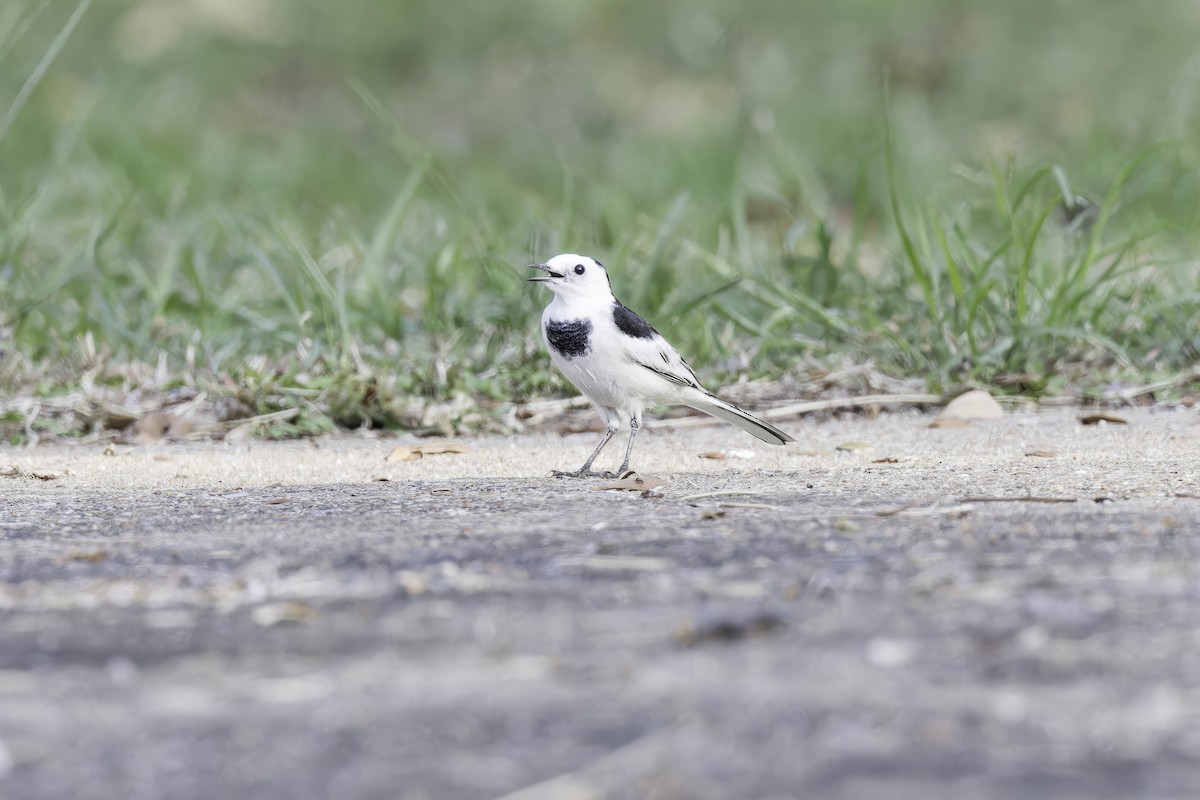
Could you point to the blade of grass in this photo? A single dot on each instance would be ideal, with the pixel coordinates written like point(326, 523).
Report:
point(43, 66)
point(389, 226)
point(689, 305)
point(920, 271)
point(1022, 277)
point(19, 30)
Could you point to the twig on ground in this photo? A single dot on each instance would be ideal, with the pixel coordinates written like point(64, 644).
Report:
point(795, 409)
point(246, 424)
point(1058, 401)
point(854, 402)
point(722, 493)
point(538, 412)
point(764, 506)
point(1019, 499)
point(922, 501)
point(1128, 395)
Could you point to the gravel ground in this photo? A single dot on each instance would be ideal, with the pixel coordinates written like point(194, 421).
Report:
point(907, 617)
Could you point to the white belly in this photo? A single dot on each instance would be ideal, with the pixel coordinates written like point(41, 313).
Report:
point(606, 373)
point(597, 376)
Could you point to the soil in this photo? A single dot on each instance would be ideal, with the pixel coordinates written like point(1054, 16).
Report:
point(1001, 610)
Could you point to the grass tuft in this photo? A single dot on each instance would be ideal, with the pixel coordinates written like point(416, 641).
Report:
point(288, 208)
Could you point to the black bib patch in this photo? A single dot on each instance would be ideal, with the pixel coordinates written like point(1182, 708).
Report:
point(631, 324)
point(570, 339)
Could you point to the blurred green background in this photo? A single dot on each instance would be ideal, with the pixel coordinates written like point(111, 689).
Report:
point(333, 201)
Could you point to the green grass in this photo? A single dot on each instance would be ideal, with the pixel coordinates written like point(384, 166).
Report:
point(299, 208)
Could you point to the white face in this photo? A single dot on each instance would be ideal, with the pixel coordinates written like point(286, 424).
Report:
point(572, 275)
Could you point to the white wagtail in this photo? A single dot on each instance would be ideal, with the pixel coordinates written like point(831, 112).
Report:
point(618, 360)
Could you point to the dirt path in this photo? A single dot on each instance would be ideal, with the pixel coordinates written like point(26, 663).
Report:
point(276, 621)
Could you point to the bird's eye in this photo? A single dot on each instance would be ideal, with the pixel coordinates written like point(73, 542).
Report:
point(579, 269)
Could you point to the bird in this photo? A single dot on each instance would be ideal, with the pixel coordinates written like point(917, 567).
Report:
point(619, 361)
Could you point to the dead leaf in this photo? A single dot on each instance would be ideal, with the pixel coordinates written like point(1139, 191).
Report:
point(888, 460)
point(440, 449)
point(950, 422)
point(724, 454)
point(727, 625)
point(1096, 419)
point(634, 483)
point(712, 514)
point(619, 563)
point(975, 404)
point(90, 556)
point(273, 614)
point(13, 471)
point(274, 501)
point(404, 453)
point(155, 426)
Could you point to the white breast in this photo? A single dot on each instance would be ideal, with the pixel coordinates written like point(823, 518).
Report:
point(598, 372)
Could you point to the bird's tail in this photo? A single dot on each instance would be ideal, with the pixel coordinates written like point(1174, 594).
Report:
point(716, 407)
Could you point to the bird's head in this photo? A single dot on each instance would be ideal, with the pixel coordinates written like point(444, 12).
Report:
point(574, 276)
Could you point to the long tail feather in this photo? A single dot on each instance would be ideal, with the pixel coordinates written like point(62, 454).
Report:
point(715, 406)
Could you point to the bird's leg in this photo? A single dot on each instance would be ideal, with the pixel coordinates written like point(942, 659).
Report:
point(586, 469)
point(634, 425)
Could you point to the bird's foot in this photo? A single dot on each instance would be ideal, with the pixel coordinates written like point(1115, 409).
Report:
point(582, 473)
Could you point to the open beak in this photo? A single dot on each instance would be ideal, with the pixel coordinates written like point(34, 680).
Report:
point(550, 274)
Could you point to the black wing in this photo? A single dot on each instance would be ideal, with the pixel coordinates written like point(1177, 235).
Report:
point(629, 323)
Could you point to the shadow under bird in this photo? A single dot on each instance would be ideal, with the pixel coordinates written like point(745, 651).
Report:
point(619, 362)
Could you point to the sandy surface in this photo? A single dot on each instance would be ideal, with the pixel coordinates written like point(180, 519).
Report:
point(305, 620)
point(1154, 455)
